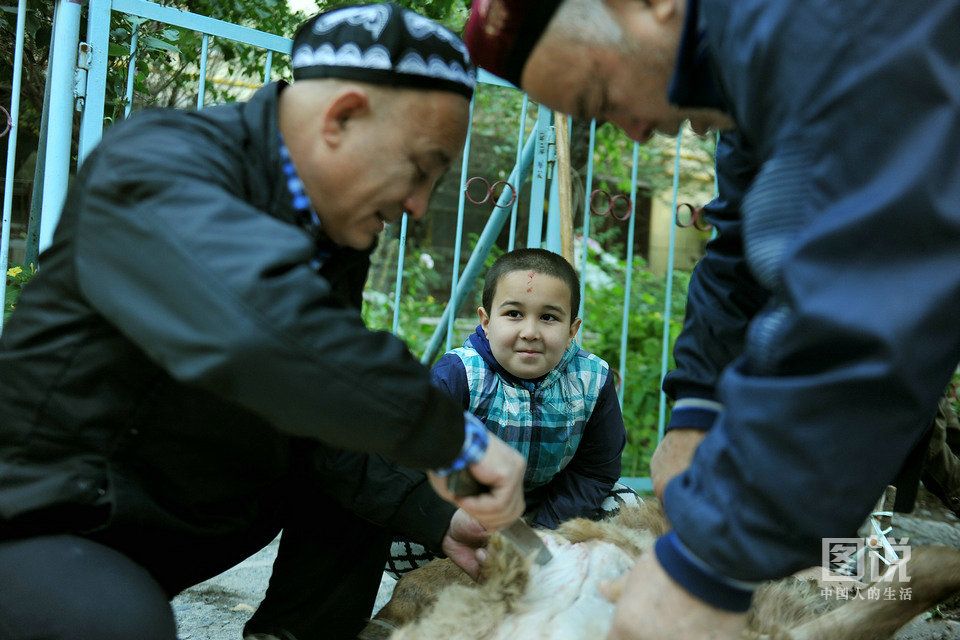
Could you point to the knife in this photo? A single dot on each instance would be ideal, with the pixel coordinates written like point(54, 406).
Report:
point(462, 484)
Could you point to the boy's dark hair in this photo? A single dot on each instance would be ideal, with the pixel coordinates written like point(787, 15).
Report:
point(540, 261)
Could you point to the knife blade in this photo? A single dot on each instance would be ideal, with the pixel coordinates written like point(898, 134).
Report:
point(462, 484)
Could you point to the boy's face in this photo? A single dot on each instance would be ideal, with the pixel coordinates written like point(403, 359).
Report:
point(529, 323)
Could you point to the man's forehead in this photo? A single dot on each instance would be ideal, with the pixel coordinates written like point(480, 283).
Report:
point(435, 126)
point(567, 76)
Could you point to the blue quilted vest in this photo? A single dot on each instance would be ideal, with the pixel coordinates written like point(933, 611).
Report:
point(542, 420)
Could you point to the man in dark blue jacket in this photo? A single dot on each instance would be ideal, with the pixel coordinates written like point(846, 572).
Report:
point(821, 325)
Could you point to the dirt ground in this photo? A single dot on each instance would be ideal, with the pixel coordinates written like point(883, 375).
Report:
point(218, 608)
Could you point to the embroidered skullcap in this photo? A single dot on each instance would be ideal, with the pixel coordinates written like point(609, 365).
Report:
point(383, 44)
point(500, 34)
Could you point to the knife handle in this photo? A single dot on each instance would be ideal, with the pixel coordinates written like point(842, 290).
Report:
point(462, 484)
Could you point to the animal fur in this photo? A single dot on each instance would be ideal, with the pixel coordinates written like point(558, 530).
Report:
point(519, 599)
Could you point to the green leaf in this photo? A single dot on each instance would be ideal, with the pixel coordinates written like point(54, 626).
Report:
point(152, 42)
point(188, 39)
point(10, 299)
point(117, 50)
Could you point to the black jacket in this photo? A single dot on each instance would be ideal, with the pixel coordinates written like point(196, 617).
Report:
point(177, 345)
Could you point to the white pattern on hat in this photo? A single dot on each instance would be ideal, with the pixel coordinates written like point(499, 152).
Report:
point(414, 64)
point(349, 55)
point(373, 19)
point(420, 27)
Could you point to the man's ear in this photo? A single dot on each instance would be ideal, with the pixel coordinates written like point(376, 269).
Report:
point(663, 10)
point(348, 104)
point(629, 10)
point(574, 327)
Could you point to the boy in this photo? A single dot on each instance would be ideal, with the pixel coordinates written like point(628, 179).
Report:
point(523, 374)
point(526, 378)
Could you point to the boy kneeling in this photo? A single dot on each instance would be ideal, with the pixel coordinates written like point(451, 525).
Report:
point(523, 374)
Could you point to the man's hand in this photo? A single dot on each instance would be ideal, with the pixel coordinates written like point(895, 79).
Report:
point(651, 606)
point(501, 469)
point(464, 542)
point(673, 456)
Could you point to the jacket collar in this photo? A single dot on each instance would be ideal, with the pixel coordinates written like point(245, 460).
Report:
point(695, 83)
point(260, 116)
point(263, 129)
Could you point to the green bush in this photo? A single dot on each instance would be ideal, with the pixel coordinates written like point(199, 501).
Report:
point(641, 369)
point(17, 277)
point(424, 293)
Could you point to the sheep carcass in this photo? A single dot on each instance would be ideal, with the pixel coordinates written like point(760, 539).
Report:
point(560, 601)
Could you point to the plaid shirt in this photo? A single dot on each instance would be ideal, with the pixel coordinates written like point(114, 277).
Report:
point(542, 420)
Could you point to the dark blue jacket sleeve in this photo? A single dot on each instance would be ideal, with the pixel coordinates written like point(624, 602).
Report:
point(853, 227)
point(722, 298)
point(449, 374)
point(582, 485)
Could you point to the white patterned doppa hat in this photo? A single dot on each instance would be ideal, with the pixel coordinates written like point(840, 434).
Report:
point(383, 44)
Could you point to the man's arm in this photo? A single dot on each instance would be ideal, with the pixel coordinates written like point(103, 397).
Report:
point(651, 606)
point(403, 501)
point(852, 233)
point(722, 299)
point(223, 296)
point(673, 456)
point(385, 494)
point(722, 296)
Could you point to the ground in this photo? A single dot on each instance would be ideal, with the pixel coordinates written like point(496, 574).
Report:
point(218, 608)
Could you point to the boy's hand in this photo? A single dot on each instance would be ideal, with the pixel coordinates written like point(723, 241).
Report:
point(651, 606)
point(673, 456)
point(501, 469)
point(464, 542)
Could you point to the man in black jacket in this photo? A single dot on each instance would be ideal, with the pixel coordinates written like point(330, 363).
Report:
point(189, 373)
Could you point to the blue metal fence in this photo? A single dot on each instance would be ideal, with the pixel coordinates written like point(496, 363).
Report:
point(77, 80)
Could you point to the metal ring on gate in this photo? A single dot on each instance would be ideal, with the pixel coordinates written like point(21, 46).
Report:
point(696, 218)
point(490, 189)
point(9, 122)
point(610, 204)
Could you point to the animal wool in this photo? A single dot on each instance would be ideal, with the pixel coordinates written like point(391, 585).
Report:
point(519, 600)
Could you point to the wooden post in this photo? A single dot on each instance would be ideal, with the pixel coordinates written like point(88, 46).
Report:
point(563, 175)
